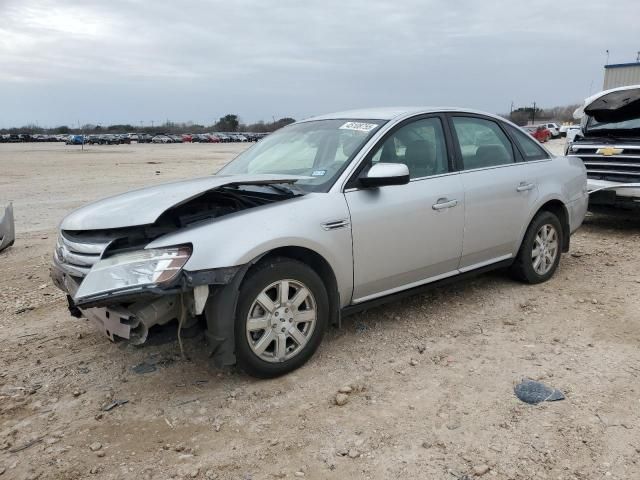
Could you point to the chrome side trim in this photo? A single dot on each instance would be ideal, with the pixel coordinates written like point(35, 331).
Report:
point(432, 279)
point(485, 263)
point(406, 287)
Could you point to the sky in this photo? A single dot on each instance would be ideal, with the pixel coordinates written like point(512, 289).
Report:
point(64, 62)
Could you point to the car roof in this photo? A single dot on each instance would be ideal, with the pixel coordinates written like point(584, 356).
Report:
point(390, 113)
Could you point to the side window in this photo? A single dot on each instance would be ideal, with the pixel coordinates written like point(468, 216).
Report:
point(420, 145)
point(530, 149)
point(482, 143)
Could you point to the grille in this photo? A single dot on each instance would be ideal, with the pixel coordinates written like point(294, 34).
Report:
point(78, 254)
point(623, 166)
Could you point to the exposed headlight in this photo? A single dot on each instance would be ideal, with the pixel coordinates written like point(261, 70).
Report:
point(133, 270)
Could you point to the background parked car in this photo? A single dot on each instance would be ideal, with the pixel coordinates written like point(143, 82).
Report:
point(553, 128)
point(75, 140)
point(539, 132)
point(161, 139)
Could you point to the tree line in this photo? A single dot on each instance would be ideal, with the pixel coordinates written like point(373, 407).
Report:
point(227, 123)
point(526, 115)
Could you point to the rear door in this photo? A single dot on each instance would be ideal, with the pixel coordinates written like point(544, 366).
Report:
point(500, 190)
point(407, 235)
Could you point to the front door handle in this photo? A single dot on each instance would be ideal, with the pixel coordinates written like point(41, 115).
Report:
point(443, 203)
point(524, 186)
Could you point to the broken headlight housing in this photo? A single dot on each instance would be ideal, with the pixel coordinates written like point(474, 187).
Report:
point(132, 271)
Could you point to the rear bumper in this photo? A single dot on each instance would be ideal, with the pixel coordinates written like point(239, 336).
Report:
point(577, 211)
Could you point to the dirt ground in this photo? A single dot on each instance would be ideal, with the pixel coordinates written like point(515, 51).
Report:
point(432, 377)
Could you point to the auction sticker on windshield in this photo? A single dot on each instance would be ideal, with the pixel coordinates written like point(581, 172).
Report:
point(361, 127)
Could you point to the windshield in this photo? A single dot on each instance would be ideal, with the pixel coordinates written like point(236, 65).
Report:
point(593, 126)
point(319, 150)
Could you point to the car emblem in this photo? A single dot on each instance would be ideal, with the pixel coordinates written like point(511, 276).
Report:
point(608, 151)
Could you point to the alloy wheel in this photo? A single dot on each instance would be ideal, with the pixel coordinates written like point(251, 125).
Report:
point(281, 320)
point(545, 249)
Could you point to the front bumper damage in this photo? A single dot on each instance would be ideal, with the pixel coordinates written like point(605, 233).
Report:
point(129, 316)
point(604, 193)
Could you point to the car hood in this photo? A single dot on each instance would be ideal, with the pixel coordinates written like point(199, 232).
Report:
point(615, 105)
point(144, 206)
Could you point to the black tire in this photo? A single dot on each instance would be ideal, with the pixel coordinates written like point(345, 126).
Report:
point(260, 277)
point(523, 267)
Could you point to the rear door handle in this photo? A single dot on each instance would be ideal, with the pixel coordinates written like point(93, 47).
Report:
point(524, 186)
point(443, 203)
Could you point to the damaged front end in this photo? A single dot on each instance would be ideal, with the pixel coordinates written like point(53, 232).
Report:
point(114, 279)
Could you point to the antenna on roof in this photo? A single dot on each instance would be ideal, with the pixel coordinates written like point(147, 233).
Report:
point(607, 53)
point(638, 57)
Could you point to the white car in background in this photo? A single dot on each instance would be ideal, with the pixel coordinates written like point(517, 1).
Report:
point(554, 128)
point(609, 145)
point(571, 132)
point(564, 129)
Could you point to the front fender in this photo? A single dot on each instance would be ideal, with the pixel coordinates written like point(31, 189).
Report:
point(238, 239)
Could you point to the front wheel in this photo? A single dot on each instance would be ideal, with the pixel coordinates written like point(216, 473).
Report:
point(282, 315)
point(540, 251)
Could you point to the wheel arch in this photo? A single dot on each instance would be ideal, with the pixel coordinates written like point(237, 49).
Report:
point(559, 209)
point(318, 264)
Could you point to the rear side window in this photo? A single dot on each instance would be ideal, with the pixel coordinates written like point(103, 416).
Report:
point(482, 143)
point(529, 147)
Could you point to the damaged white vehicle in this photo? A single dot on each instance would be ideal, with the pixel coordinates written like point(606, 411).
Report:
point(325, 217)
point(609, 145)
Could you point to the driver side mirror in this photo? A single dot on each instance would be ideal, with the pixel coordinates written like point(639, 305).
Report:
point(382, 174)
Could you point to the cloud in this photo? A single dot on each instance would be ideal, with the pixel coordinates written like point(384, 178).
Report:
point(124, 60)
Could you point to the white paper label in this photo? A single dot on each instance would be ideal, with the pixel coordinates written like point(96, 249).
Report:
point(361, 127)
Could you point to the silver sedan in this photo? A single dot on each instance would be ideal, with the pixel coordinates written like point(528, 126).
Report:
point(320, 219)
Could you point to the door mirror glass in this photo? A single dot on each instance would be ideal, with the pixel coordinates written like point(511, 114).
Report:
point(382, 174)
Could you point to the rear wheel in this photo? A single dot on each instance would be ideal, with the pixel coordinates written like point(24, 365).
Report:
point(282, 314)
point(540, 251)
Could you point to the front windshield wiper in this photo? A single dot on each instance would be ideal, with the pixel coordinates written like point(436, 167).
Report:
point(279, 187)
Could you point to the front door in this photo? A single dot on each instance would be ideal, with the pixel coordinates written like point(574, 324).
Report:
point(407, 235)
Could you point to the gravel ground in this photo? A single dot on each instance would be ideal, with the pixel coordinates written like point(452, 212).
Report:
point(428, 381)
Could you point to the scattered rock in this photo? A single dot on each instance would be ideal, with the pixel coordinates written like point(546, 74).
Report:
point(114, 404)
point(341, 399)
point(94, 470)
point(95, 446)
point(23, 309)
point(193, 473)
point(353, 453)
point(413, 362)
point(299, 474)
point(100, 454)
point(345, 389)
point(480, 470)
